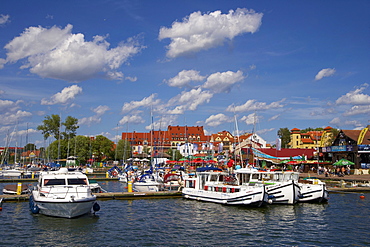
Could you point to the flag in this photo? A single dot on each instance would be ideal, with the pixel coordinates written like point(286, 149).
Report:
point(278, 144)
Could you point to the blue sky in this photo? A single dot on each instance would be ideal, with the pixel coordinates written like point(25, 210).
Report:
point(110, 64)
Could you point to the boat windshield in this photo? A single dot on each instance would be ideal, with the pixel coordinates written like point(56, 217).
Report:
point(50, 182)
point(77, 181)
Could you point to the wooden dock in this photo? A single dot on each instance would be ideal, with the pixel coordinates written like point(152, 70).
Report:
point(110, 196)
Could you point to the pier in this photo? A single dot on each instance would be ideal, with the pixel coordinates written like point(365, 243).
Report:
point(109, 196)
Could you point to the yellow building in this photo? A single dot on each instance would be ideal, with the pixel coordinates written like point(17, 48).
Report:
point(310, 139)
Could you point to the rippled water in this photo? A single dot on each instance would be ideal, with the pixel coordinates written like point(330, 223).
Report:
point(344, 221)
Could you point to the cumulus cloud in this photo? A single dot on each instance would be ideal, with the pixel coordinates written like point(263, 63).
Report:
point(135, 119)
point(58, 53)
point(324, 73)
point(12, 117)
point(146, 102)
point(216, 120)
point(189, 100)
point(183, 78)
point(355, 97)
point(204, 31)
point(251, 119)
point(63, 97)
point(222, 82)
point(357, 110)
point(4, 19)
point(100, 111)
point(253, 105)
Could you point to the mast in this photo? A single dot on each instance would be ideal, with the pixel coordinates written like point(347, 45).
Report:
point(237, 134)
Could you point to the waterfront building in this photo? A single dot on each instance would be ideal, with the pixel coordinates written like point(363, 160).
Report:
point(352, 145)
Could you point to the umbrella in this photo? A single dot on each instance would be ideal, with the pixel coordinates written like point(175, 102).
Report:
point(343, 162)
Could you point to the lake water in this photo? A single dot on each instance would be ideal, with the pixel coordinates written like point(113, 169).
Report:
point(344, 221)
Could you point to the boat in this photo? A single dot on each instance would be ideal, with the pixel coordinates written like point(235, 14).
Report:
point(281, 186)
point(313, 190)
point(95, 187)
point(11, 189)
point(63, 194)
point(214, 185)
point(147, 183)
point(172, 181)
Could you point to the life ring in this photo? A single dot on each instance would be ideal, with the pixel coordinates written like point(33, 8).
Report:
point(114, 173)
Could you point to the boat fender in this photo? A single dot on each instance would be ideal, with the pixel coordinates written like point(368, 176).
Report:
point(96, 207)
point(33, 206)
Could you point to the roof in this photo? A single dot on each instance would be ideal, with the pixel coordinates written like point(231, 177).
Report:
point(354, 134)
point(288, 152)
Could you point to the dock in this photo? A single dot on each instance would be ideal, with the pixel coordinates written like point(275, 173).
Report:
point(110, 196)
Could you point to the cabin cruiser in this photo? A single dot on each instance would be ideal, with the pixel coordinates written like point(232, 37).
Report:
point(147, 183)
point(63, 194)
point(313, 190)
point(281, 186)
point(213, 185)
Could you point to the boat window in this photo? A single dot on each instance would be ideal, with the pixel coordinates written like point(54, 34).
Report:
point(49, 182)
point(76, 181)
point(213, 178)
point(255, 176)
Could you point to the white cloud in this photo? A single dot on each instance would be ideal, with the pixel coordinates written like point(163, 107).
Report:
point(355, 97)
point(324, 73)
point(4, 19)
point(59, 54)
point(189, 100)
point(13, 117)
point(222, 82)
point(162, 123)
point(216, 120)
point(8, 105)
point(251, 119)
point(183, 78)
point(274, 117)
point(100, 110)
point(146, 102)
point(63, 97)
point(204, 31)
point(357, 110)
point(135, 119)
point(252, 105)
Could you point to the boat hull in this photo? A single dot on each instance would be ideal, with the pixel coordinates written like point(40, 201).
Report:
point(146, 187)
point(65, 209)
point(314, 193)
point(256, 197)
point(285, 193)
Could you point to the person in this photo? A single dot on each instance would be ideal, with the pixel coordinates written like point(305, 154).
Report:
point(230, 165)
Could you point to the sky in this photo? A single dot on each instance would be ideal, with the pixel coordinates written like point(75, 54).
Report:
point(136, 65)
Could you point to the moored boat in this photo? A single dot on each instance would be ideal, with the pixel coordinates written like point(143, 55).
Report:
point(313, 190)
point(281, 186)
point(220, 187)
point(63, 194)
point(11, 189)
point(147, 183)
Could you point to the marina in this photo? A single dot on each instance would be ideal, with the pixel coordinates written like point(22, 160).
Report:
point(179, 222)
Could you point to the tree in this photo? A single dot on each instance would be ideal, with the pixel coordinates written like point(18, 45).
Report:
point(123, 150)
point(102, 148)
point(174, 153)
point(52, 127)
point(284, 135)
point(70, 127)
point(30, 147)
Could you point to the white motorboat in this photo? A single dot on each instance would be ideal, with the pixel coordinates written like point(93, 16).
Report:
point(313, 190)
point(63, 194)
point(281, 186)
point(219, 187)
point(147, 183)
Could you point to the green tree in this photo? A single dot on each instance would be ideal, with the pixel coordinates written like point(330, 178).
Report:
point(70, 127)
point(284, 135)
point(174, 153)
point(102, 148)
point(123, 150)
point(52, 127)
point(30, 147)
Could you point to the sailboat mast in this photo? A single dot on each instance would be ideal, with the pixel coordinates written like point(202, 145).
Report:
point(237, 134)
